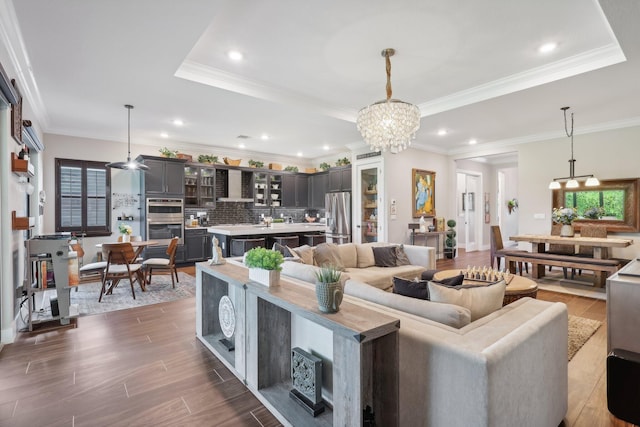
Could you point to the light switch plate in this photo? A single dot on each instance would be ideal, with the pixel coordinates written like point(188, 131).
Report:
point(539, 216)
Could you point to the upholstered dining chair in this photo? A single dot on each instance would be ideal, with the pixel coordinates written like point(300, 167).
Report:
point(91, 272)
point(498, 250)
point(589, 230)
point(120, 265)
point(164, 265)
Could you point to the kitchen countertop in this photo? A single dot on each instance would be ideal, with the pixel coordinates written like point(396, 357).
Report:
point(258, 229)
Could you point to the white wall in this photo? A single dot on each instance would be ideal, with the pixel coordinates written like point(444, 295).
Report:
point(510, 221)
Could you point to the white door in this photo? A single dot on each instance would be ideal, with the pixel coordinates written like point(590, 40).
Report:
point(470, 204)
point(368, 202)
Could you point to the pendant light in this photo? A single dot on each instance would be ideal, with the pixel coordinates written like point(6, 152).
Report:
point(572, 179)
point(129, 164)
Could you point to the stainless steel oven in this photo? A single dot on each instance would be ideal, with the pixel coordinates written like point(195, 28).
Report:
point(165, 220)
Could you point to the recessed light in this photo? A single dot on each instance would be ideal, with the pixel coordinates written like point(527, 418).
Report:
point(299, 153)
point(325, 147)
point(442, 132)
point(264, 136)
point(547, 47)
point(178, 122)
point(164, 135)
point(472, 141)
point(241, 145)
point(235, 55)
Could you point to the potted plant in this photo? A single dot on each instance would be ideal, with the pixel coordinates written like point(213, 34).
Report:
point(291, 169)
point(512, 205)
point(168, 153)
point(325, 166)
point(595, 212)
point(565, 216)
point(264, 265)
point(256, 163)
point(207, 158)
point(450, 240)
point(343, 162)
point(328, 289)
point(125, 231)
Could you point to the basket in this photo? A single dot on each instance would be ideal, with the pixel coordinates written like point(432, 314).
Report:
point(275, 166)
point(310, 170)
point(187, 157)
point(232, 162)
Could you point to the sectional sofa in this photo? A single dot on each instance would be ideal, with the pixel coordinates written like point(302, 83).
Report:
point(504, 369)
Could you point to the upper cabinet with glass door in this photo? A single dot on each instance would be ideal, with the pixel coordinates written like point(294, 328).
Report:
point(199, 186)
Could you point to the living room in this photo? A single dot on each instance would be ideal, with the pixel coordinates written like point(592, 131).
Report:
point(607, 124)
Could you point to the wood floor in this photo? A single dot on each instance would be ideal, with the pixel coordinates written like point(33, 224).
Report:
point(143, 366)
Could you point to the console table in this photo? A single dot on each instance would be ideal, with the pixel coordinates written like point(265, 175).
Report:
point(364, 361)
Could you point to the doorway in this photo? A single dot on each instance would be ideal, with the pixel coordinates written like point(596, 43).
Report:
point(469, 201)
point(368, 202)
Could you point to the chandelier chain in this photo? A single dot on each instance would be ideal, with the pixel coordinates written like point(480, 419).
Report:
point(388, 61)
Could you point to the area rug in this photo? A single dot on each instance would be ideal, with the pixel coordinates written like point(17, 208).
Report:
point(580, 330)
point(160, 290)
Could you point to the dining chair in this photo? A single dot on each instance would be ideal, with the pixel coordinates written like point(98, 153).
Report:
point(560, 249)
point(91, 272)
point(120, 265)
point(152, 265)
point(498, 250)
point(589, 230)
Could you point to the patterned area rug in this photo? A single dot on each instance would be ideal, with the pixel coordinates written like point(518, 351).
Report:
point(580, 330)
point(160, 290)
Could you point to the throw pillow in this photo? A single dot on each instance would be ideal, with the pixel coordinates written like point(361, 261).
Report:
point(348, 255)
point(385, 256)
point(328, 254)
point(428, 275)
point(402, 258)
point(284, 250)
point(365, 255)
point(305, 253)
point(411, 288)
point(480, 300)
point(452, 281)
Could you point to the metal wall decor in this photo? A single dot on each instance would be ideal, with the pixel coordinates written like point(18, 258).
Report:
point(227, 319)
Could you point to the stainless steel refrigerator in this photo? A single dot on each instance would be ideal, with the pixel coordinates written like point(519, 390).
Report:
point(338, 213)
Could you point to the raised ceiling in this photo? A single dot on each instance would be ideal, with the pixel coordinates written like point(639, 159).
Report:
point(473, 68)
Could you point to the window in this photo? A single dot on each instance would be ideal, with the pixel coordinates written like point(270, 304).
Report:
point(82, 197)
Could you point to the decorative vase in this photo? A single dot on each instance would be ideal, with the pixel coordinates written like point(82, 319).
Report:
point(329, 296)
point(126, 238)
point(566, 230)
point(265, 277)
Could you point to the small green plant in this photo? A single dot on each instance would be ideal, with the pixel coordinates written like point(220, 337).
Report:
point(450, 240)
point(512, 205)
point(207, 158)
point(328, 274)
point(596, 212)
point(343, 162)
point(256, 163)
point(266, 259)
point(168, 153)
point(291, 169)
point(325, 166)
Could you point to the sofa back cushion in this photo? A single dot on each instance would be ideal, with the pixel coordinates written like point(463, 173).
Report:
point(365, 255)
point(348, 255)
point(480, 300)
point(305, 253)
point(298, 270)
point(327, 254)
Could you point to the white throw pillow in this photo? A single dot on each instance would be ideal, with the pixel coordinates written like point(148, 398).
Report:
point(480, 300)
point(348, 255)
point(365, 255)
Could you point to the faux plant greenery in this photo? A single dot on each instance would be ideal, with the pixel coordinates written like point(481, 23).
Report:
point(207, 158)
point(324, 166)
point(343, 162)
point(256, 163)
point(596, 212)
point(291, 169)
point(564, 215)
point(266, 259)
point(328, 274)
point(168, 153)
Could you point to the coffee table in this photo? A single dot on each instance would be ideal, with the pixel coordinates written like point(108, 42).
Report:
point(518, 287)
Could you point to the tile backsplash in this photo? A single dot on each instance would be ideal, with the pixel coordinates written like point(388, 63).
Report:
point(245, 213)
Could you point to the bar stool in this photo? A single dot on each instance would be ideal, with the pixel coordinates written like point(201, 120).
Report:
point(291, 241)
point(240, 246)
point(314, 239)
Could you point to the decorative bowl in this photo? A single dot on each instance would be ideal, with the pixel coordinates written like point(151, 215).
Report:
point(259, 196)
point(275, 196)
point(311, 219)
point(275, 186)
point(232, 162)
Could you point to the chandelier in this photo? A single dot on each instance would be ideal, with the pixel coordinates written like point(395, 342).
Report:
point(389, 124)
point(572, 179)
point(129, 164)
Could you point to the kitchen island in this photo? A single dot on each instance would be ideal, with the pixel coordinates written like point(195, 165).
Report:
point(225, 233)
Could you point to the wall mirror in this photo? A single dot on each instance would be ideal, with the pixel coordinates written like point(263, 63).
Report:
point(614, 203)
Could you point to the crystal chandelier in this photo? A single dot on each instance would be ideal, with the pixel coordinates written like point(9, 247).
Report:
point(572, 179)
point(389, 124)
point(129, 164)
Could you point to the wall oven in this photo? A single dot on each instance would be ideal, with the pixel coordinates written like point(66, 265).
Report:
point(165, 220)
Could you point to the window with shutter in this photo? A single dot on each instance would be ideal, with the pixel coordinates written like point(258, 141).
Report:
point(82, 197)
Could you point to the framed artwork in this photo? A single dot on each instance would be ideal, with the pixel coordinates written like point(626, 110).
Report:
point(439, 224)
point(16, 116)
point(471, 198)
point(423, 184)
point(487, 216)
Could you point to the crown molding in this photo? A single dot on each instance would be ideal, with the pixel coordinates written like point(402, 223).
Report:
point(568, 67)
point(11, 38)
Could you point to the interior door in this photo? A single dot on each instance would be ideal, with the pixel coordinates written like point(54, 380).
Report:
point(368, 203)
point(470, 205)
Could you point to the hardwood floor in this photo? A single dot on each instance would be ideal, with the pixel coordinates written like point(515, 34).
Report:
point(143, 366)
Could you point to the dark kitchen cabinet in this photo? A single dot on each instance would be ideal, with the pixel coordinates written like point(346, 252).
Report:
point(295, 191)
point(197, 244)
point(340, 178)
point(318, 183)
point(164, 177)
point(267, 189)
point(199, 186)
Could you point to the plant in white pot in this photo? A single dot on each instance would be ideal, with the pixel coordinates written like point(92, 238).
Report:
point(328, 289)
point(264, 265)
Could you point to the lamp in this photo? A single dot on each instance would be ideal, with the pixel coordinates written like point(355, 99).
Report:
point(390, 123)
point(129, 164)
point(572, 179)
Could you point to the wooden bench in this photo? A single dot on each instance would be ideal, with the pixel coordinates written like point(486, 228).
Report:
point(601, 267)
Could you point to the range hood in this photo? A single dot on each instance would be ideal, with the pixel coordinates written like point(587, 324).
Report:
point(234, 188)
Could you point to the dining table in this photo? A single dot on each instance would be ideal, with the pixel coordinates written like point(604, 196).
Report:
point(138, 246)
